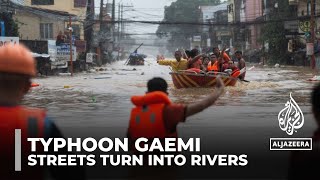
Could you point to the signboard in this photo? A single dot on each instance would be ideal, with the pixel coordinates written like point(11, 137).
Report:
point(63, 53)
point(8, 40)
point(310, 49)
point(197, 38)
point(60, 55)
point(304, 26)
point(89, 58)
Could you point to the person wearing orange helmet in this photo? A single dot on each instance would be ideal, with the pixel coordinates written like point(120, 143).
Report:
point(17, 67)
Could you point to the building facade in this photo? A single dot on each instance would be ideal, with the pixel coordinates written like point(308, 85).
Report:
point(39, 24)
point(75, 7)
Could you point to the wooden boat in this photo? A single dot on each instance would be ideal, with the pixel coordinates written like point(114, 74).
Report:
point(187, 79)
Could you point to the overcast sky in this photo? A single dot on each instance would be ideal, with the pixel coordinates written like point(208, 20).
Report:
point(149, 10)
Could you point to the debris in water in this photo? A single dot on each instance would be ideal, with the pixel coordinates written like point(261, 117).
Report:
point(94, 99)
point(102, 77)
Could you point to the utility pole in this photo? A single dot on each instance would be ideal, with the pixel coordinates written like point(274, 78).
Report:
point(121, 20)
point(119, 47)
point(70, 34)
point(113, 22)
point(313, 58)
point(100, 50)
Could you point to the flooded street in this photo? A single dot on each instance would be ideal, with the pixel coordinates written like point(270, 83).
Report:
point(243, 120)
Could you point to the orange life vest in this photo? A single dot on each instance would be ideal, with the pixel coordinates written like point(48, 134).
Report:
point(236, 73)
point(31, 122)
point(213, 67)
point(147, 117)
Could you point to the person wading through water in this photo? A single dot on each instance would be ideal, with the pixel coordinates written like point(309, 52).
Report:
point(154, 115)
point(17, 67)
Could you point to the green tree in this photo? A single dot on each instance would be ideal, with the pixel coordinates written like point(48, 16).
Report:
point(11, 27)
point(187, 14)
point(274, 33)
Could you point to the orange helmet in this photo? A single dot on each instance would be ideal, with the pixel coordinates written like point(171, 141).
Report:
point(17, 59)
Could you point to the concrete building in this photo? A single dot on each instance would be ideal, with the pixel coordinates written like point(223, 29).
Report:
point(40, 24)
point(214, 35)
point(251, 11)
point(75, 7)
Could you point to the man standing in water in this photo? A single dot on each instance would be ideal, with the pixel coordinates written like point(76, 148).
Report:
point(241, 64)
point(176, 65)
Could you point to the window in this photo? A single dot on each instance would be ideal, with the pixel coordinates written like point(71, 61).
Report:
point(42, 2)
point(76, 31)
point(46, 30)
point(80, 3)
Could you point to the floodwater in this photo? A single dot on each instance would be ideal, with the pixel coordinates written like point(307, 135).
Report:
point(242, 120)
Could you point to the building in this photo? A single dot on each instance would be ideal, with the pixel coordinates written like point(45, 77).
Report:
point(40, 24)
point(75, 7)
point(214, 35)
point(251, 12)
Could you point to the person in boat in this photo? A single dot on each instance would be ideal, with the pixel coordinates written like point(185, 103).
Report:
point(234, 70)
point(224, 55)
point(206, 60)
point(178, 64)
point(156, 107)
point(304, 164)
point(17, 67)
point(213, 64)
point(218, 64)
point(195, 61)
point(241, 63)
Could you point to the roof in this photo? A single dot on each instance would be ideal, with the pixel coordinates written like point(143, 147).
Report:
point(208, 11)
point(44, 12)
point(55, 12)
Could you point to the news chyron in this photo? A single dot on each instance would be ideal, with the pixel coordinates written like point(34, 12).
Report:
point(291, 119)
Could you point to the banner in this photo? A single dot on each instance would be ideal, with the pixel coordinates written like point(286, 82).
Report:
point(8, 40)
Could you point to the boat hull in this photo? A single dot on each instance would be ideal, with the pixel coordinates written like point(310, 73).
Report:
point(186, 80)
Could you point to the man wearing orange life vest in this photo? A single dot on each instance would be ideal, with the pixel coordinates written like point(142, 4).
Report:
point(154, 116)
point(17, 67)
point(213, 64)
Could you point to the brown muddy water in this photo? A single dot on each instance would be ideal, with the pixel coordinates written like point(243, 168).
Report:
point(242, 120)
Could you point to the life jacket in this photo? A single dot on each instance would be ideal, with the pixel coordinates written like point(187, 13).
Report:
point(213, 67)
point(31, 122)
point(236, 73)
point(147, 117)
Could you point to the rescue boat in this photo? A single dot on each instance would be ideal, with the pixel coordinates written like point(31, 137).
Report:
point(190, 79)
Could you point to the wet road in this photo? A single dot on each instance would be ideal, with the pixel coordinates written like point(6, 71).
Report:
point(241, 122)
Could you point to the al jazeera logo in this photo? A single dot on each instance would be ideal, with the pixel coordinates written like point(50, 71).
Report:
point(291, 119)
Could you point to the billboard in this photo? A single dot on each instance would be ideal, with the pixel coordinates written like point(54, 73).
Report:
point(60, 55)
